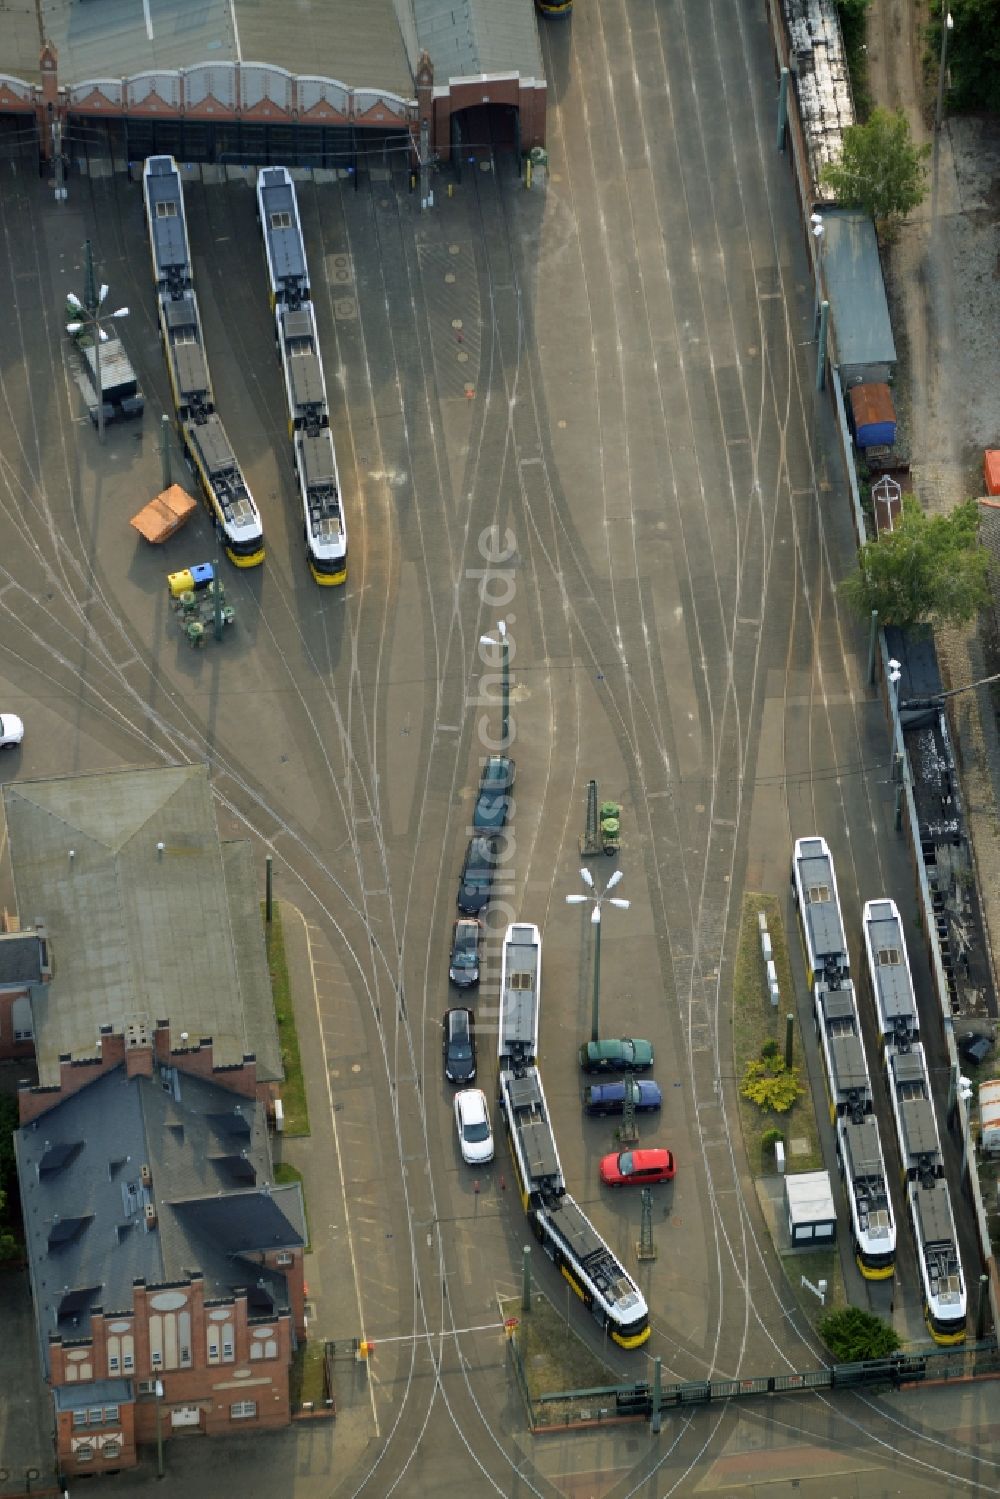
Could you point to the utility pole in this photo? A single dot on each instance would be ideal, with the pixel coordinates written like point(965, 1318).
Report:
point(165, 450)
point(90, 319)
point(646, 1249)
point(824, 317)
point(426, 197)
point(782, 108)
point(596, 899)
point(947, 26)
point(57, 160)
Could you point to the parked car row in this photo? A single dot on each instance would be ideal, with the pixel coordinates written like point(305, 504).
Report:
point(493, 805)
point(623, 1054)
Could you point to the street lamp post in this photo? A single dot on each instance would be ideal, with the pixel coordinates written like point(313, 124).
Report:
point(504, 645)
point(91, 319)
point(158, 1392)
point(947, 27)
point(596, 899)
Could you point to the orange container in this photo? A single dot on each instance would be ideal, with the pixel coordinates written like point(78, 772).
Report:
point(991, 470)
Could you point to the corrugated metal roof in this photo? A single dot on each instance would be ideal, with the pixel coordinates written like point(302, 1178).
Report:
point(469, 37)
point(361, 43)
point(852, 273)
point(139, 933)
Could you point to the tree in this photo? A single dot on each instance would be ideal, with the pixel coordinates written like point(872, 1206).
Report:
point(853, 1335)
point(770, 1085)
point(973, 53)
point(880, 169)
point(929, 569)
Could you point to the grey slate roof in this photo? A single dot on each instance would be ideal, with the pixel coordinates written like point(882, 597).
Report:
point(84, 1201)
point(20, 959)
point(469, 37)
point(141, 934)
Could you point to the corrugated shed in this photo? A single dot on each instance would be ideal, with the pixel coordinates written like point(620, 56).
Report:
point(469, 37)
point(852, 276)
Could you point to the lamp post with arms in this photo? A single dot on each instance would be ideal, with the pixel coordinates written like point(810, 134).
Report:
point(596, 899)
point(91, 320)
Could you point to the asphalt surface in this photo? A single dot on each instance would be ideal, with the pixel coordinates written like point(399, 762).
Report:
point(616, 373)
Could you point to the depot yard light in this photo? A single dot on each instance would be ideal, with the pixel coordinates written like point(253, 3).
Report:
point(91, 320)
point(947, 27)
point(596, 899)
point(504, 646)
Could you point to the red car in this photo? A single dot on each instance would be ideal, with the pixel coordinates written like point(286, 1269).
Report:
point(637, 1168)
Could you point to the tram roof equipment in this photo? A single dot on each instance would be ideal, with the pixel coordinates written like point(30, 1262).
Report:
point(890, 972)
point(821, 907)
point(519, 1000)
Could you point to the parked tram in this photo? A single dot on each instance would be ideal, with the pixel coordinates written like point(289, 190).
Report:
point(928, 1200)
point(206, 445)
point(313, 452)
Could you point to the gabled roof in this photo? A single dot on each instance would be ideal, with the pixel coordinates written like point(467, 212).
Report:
point(85, 1194)
point(467, 37)
point(152, 916)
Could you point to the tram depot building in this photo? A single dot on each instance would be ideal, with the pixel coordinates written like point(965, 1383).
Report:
point(166, 1267)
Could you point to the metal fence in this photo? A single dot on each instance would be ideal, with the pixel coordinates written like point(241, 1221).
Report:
point(606, 1404)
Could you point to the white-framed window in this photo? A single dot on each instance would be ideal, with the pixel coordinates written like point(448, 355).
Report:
point(83, 1452)
point(113, 1362)
point(79, 1418)
point(156, 1358)
point(128, 1354)
point(213, 1343)
point(185, 1358)
point(95, 1415)
point(284, 1258)
point(110, 1414)
point(111, 1449)
point(24, 1035)
point(228, 1353)
point(243, 1410)
point(147, 1386)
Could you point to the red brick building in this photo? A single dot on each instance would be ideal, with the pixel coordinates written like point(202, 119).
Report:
point(166, 1267)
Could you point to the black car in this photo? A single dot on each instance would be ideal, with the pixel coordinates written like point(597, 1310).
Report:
point(459, 1047)
point(477, 875)
point(463, 966)
point(494, 800)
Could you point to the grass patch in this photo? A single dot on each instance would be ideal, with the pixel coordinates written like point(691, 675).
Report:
point(293, 1090)
point(755, 1022)
point(553, 1357)
point(307, 1377)
point(815, 1265)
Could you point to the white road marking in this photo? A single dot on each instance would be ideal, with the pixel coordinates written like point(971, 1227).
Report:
point(336, 1143)
point(148, 19)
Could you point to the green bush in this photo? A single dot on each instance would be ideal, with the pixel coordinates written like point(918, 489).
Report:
point(769, 1050)
point(853, 1335)
point(770, 1138)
